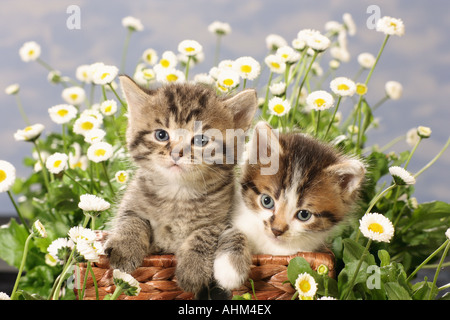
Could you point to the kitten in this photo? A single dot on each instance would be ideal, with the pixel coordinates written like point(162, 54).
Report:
point(295, 208)
point(180, 198)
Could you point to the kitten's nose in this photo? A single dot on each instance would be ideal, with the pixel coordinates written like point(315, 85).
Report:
point(277, 232)
point(176, 155)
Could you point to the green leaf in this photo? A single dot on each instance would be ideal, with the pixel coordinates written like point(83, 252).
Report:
point(384, 258)
point(12, 243)
point(296, 266)
point(395, 291)
point(346, 275)
point(422, 290)
point(353, 251)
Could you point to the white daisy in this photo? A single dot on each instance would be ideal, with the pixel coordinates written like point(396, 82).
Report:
point(349, 23)
point(376, 227)
point(60, 249)
point(320, 100)
point(305, 285)
point(366, 60)
point(219, 28)
point(121, 176)
point(274, 41)
point(318, 42)
point(150, 56)
point(108, 107)
point(424, 132)
point(447, 233)
point(190, 47)
point(57, 162)
point(86, 249)
point(80, 233)
point(30, 51)
point(12, 89)
point(129, 284)
point(39, 229)
point(391, 26)
point(298, 44)
point(393, 90)
point(343, 86)
point(62, 113)
point(275, 63)
point(327, 298)
point(85, 123)
point(99, 151)
point(73, 95)
point(278, 89)
point(94, 112)
point(340, 53)
point(361, 89)
point(401, 176)
point(78, 162)
point(226, 65)
point(7, 175)
point(170, 76)
point(4, 296)
point(334, 64)
point(288, 54)
point(90, 202)
point(94, 135)
point(204, 78)
point(132, 23)
point(279, 106)
point(168, 61)
point(30, 133)
point(104, 74)
point(247, 68)
point(83, 73)
point(412, 137)
point(228, 79)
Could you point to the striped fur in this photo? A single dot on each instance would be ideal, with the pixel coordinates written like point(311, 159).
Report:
point(313, 177)
point(177, 206)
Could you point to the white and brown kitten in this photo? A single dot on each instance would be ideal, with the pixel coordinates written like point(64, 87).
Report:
point(180, 201)
point(296, 208)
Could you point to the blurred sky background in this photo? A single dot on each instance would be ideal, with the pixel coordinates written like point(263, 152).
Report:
point(419, 60)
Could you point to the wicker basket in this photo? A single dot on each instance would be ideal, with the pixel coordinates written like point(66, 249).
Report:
point(158, 282)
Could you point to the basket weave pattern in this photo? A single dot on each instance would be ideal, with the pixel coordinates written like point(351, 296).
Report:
point(158, 282)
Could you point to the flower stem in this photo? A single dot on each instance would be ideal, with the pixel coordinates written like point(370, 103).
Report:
point(412, 152)
point(22, 265)
point(318, 123)
point(107, 178)
point(44, 64)
point(22, 112)
point(376, 60)
point(438, 269)
point(217, 51)
point(117, 96)
point(352, 282)
point(125, 49)
point(116, 293)
point(266, 101)
point(429, 164)
point(332, 118)
point(186, 73)
point(19, 213)
point(427, 260)
point(43, 168)
point(79, 184)
point(94, 279)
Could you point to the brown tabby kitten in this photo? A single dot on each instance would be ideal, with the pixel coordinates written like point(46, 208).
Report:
point(180, 198)
point(295, 208)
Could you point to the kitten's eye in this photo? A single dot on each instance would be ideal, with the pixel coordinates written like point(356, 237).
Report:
point(161, 135)
point(267, 202)
point(200, 140)
point(304, 215)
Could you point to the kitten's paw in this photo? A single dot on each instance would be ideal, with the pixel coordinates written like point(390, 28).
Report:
point(192, 275)
point(124, 256)
point(230, 273)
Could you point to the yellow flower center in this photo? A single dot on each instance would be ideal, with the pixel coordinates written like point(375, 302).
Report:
point(2, 175)
point(172, 77)
point(246, 69)
point(361, 89)
point(87, 125)
point(305, 286)
point(228, 82)
point(189, 49)
point(77, 165)
point(73, 96)
point(275, 65)
point(108, 109)
point(376, 227)
point(393, 24)
point(104, 75)
point(165, 63)
point(343, 86)
point(122, 177)
point(99, 152)
point(28, 129)
point(57, 163)
point(62, 112)
point(31, 52)
point(149, 57)
point(279, 108)
point(319, 102)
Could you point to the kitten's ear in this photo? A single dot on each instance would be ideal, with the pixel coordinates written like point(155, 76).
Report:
point(135, 96)
point(349, 174)
point(265, 147)
point(243, 105)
